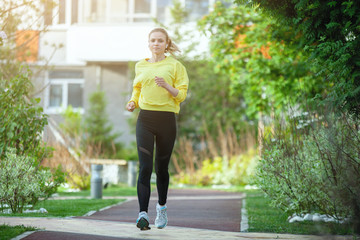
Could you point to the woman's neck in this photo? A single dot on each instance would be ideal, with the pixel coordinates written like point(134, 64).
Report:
point(157, 58)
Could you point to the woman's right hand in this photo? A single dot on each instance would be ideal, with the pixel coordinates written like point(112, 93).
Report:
point(130, 106)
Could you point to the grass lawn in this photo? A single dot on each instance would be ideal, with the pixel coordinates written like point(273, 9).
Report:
point(264, 218)
point(111, 190)
point(68, 208)
point(56, 208)
point(8, 232)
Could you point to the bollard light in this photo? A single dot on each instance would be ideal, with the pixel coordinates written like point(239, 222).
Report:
point(96, 181)
point(132, 173)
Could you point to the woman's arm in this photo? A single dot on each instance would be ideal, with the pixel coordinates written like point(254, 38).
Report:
point(161, 83)
point(130, 106)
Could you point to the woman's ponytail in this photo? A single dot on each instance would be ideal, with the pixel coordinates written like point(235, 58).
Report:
point(172, 47)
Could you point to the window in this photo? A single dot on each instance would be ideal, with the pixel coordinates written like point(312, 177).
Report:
point(55, 12)
point(118, 11)
point(48, 13)
point(142, 11)
point(56, 95)
point(142, 6)
point(66, 88)
point(95, 11)
point(61, 12)
point(75, 94)
point(74, 11)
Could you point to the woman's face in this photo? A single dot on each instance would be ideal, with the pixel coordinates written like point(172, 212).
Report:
point(157, 43)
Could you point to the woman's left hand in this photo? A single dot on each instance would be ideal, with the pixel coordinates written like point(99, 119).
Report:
point(161, 82)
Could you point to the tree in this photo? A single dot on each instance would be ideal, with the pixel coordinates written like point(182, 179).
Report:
point(209, 104)
point(99, 132)
point(266, 72)
point(330, 32)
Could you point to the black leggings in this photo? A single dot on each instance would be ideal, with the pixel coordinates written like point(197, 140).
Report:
point(159, 127)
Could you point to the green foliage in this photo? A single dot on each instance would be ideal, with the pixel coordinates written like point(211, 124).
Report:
point(74, 207)
point(178, 14)
point(130, 153)
point(21, 124)
point(72, 122)
point(78, 181)
point(10, 232)
point(99, 132)
point(266, 73)
point(330, 32)
point(69, 207)
point(21, 119)
point(94, 134)
point(209, 101)
point(266, 218)
point(315, 172)
point(236, 170)
point(111, 191)
point(22, 181)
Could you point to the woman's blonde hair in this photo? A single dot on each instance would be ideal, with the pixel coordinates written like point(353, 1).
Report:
point(171, 46)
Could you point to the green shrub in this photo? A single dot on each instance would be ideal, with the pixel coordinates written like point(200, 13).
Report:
point(79, 181)
point(316, 170)
point(23, 179)
point(22, 182)
point(72, 122)
point(237, 170)
point(21, 119)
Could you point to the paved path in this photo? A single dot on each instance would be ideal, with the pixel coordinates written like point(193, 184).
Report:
point(193, 214)
point(205, 209)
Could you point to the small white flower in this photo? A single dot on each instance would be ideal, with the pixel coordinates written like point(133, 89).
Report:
point(3, 35)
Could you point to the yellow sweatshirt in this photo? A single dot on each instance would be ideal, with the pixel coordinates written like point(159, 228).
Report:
point(148, 96)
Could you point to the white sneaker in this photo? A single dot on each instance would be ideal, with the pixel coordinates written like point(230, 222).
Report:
point(161, 216)
point(143, 221)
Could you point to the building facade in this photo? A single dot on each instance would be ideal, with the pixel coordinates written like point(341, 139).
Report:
point(98, 39)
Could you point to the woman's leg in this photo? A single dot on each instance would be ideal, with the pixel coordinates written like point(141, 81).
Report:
point(165, 139)
point(145, 145)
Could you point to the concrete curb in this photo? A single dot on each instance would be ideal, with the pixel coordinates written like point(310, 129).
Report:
point(244, 224)
point(129, 230)
point(24, 235)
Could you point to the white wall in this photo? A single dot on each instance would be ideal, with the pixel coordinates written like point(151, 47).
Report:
point(107, 43)
point(46, 48)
